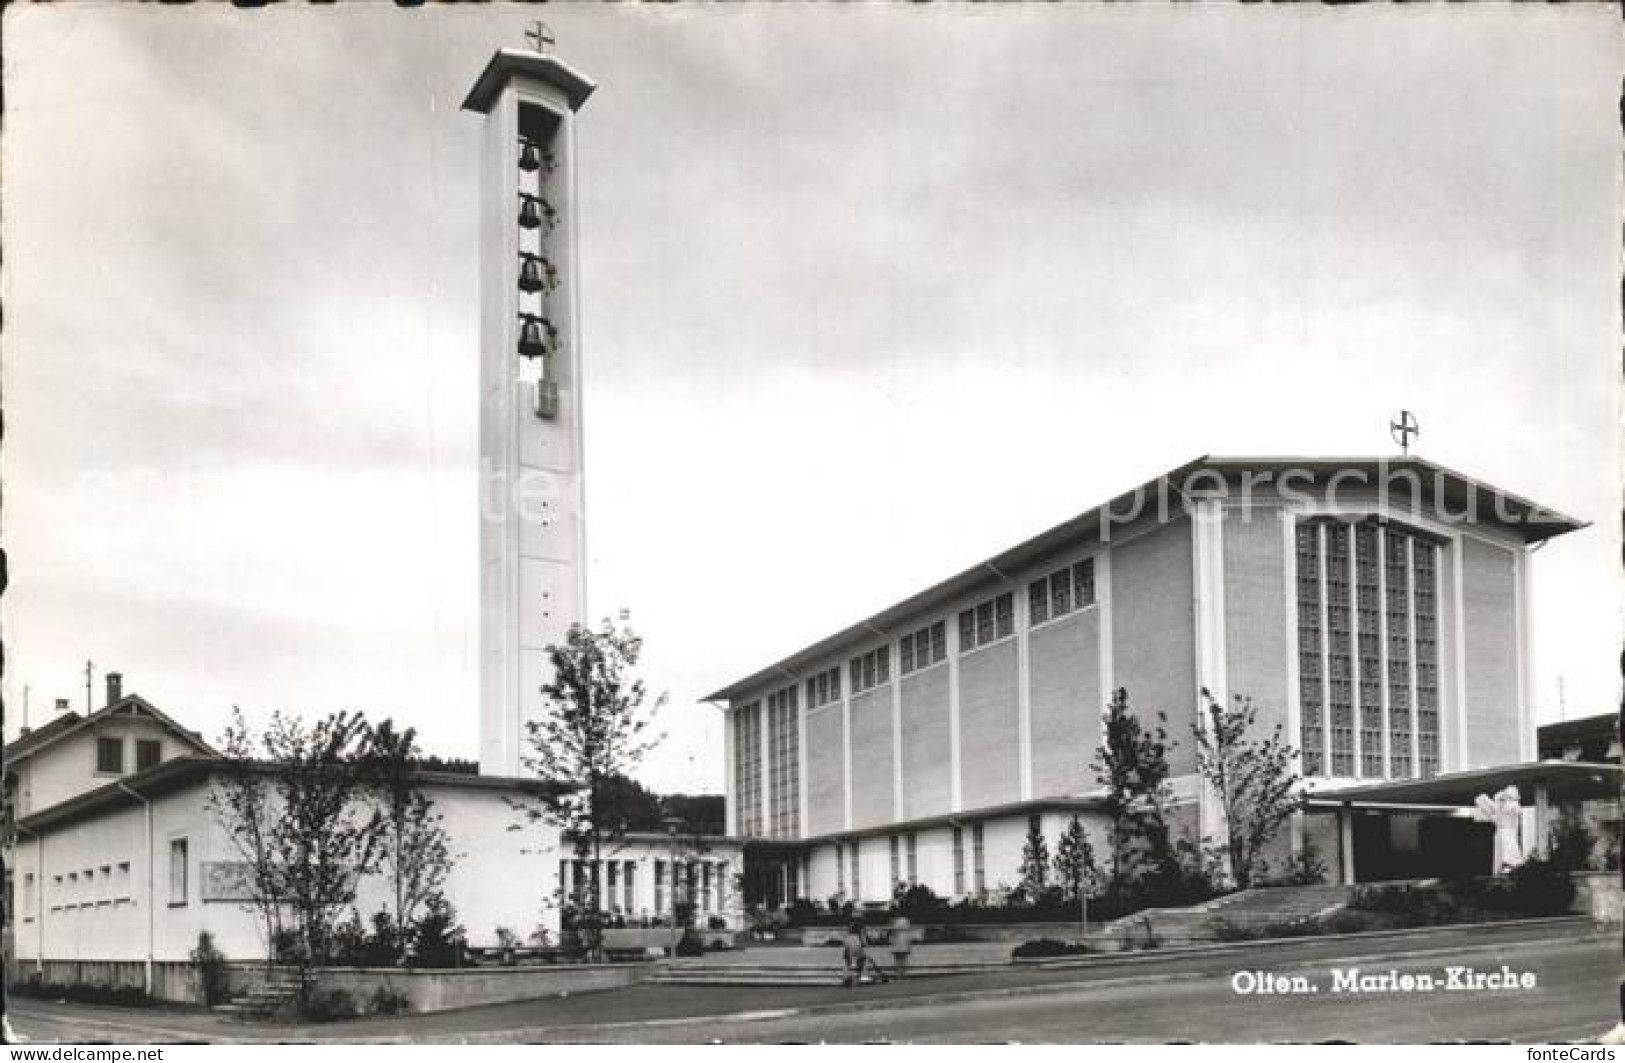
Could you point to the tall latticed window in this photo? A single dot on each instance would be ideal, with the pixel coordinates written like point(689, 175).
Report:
point(1368, 652)
point(784, 764)
point(1340, 659)
point(1397, 588)
point(1311, 656)
point(1368, 621)
point(1424, 576)
point(748, 768)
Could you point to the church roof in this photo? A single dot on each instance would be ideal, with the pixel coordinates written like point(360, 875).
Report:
point(1210, 475)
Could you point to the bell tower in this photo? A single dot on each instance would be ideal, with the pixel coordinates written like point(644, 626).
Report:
point(532, 520)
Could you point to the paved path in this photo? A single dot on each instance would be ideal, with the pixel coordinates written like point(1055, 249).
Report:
point(1150, 998)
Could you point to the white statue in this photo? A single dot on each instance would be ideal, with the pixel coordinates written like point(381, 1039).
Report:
point(1505, 810)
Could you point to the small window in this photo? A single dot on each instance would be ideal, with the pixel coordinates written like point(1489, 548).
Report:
point(147, 753)
point(177, 871)
point(109, 756)
point(123, 885)
point(987, 623)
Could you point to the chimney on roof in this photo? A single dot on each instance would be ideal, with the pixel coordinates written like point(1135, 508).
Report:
point(115, 687)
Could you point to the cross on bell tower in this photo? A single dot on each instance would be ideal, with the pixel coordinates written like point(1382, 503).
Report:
point(532, 521)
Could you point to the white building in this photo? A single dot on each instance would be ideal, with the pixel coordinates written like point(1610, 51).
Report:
point(118, 857)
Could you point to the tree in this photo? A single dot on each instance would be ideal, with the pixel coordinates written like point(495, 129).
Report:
point(1132, 766)
point(415, 848)
point(300, 820)
point(1253, 778)
point(592, 732)
point(1075, 870)
point(1034, 861)
point(240, 802)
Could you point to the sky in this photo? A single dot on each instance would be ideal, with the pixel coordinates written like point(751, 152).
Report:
point(869, 293)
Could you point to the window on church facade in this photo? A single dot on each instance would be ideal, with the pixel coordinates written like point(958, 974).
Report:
point(1397, 592)
point(870, 669)
point(1368, 622)
point(913, 860)
point(784, 764)
point(986, 623)
point(748, 768)
point(923, 648)
point(1311, 678)
point(1424, 575)
point(1367, 650)
point(824, 688)
point(1340, 660)
point(1061, 592)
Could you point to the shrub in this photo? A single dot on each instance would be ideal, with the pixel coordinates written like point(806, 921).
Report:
point(82, 992)
point(1540, 887)
point(690, 944)
point(800, 912)
point(716, 922)
point(329, 1005)
point(438, 941)
point(1355, 921)
point(210, 964)
point(918, 902)
point(386, 1001)
point(1048, 947)
point(1571, 842)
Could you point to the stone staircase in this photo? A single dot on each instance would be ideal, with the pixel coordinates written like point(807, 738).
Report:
point(1252, 909)
point(264, 999)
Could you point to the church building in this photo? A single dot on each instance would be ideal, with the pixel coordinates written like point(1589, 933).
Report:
point(1376, 609)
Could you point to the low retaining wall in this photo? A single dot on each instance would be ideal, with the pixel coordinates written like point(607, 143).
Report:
point(172, 981)
point(1011, 932)
point(1599, 894)
point(461, 988)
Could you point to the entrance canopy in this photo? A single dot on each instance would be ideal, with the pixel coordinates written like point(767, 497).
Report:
point(1367, 813)
point(1546, 780)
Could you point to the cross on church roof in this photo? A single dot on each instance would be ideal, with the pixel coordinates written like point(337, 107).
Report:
point(540, 37)
point(1404, 428)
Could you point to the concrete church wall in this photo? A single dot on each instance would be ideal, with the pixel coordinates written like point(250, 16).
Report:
point(1153, 631)
point(1489, 603)
point(826, 769)
point(1255, 619)
point(1066, 702)
point(872, 780)
point(926, 742)
point(989, 726)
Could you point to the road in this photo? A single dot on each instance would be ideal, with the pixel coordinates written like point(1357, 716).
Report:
point(1151, 999)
